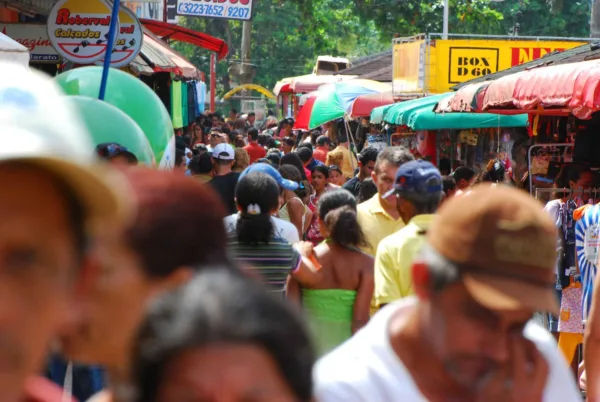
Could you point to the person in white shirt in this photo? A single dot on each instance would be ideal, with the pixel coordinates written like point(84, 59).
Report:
point(466, 336)
point(283, 229)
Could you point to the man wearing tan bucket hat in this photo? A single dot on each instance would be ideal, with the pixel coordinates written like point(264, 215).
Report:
point(486, 268)
point(54, 195)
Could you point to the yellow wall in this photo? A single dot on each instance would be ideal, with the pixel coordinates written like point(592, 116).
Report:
point(446, 63)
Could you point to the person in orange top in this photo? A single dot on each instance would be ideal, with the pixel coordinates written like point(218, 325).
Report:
point(254, 150)
point(320, 152)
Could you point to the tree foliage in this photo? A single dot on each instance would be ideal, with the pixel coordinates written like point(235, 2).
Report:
point(288, 35)
point(286, 43)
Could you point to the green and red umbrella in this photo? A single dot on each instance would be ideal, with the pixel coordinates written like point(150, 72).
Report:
point(333, 101)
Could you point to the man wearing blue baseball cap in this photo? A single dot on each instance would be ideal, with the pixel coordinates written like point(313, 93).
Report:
point(418, 191)
point(283, 229)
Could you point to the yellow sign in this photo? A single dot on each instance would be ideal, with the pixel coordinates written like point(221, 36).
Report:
point(251, 87)
point(407, 66)
point(445, 63)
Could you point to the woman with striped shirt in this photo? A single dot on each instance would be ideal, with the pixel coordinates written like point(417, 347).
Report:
point(254, 245)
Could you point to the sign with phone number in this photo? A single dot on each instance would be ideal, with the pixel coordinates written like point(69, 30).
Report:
point(226, 9)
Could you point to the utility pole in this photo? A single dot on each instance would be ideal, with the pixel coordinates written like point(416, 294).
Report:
point(446, 18)
point(165, 15)
point(246, 68)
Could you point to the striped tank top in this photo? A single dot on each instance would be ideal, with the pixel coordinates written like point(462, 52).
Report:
point(272, 261)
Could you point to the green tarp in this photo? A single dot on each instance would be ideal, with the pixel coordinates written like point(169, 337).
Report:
point(426, 119)
point(418, 115)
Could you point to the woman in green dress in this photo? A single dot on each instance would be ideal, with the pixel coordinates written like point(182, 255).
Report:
point(338, 304)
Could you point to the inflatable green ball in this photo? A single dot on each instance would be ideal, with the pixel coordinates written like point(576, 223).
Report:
point(134, 98)
point(106, 123)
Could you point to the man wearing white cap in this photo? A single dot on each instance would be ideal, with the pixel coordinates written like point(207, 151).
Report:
point(225, 179)
point(53, 200)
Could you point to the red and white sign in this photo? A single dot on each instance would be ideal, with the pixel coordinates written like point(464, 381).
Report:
point(129, 40)
point(35, 38)
point(78, 29)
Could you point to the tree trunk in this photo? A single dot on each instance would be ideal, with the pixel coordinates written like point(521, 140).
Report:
point(595, 19)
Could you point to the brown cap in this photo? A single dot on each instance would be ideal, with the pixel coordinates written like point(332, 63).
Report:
point(504, 246)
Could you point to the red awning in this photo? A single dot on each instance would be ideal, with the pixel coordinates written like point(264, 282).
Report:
point(168, 31)
point(468, 97)
point(499, 94)
point(161, 58)
point(575, 86)
point(364, 104)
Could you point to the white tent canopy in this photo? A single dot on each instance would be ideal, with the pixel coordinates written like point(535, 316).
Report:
point(11, 50)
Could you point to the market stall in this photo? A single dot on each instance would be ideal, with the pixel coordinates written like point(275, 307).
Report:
point(463, 139)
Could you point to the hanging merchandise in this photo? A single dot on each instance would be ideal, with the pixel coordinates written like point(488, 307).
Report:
point(176, 105)
point(184, 104)
point(201, 93)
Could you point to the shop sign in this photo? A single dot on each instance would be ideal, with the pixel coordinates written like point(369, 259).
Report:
point(463, 60)
point(35, 38)
point(129, 40)
point(78, 29)
point(225, 9)
point(408, 67)
point(442, 64)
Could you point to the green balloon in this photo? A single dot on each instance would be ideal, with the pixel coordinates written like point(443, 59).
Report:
point(131, 96)
point(106, 123)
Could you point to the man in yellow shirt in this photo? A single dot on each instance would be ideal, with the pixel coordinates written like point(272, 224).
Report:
point(343, 157)
point(418, 192)
point(378, 217)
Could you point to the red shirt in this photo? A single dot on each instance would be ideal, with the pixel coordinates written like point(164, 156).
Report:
point(255, 151)
point(320, 153)
point(40, 389)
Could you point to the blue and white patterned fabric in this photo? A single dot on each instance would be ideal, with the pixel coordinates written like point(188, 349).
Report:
point(587, 231)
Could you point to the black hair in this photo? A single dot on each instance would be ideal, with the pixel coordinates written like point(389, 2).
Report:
point(463, 172)
point(270, 142)
point(179, 157)
point(262, 139)
point(496, 174)
point(305, 154)
point(336, 168)
point(253, 134)
point(294, 160)
point(201, 164)
point(337, 208)
point(368, 154)
point(289, 141)
point(233, 111)
point(367, 190)
point(251, 114)
point(568, 173)
point(448, 184)
point(322, 169)
point(267, 161)
point(261, 190)
point(274, 157)
point(306, 145)
point(220, 305)
point(424, 203)
point(322, 140)
point(445, 166)
point(290, 172)
point(395, 156)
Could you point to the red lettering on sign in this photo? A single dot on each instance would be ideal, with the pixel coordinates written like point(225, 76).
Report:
point(63, 17)
point(520, 55)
